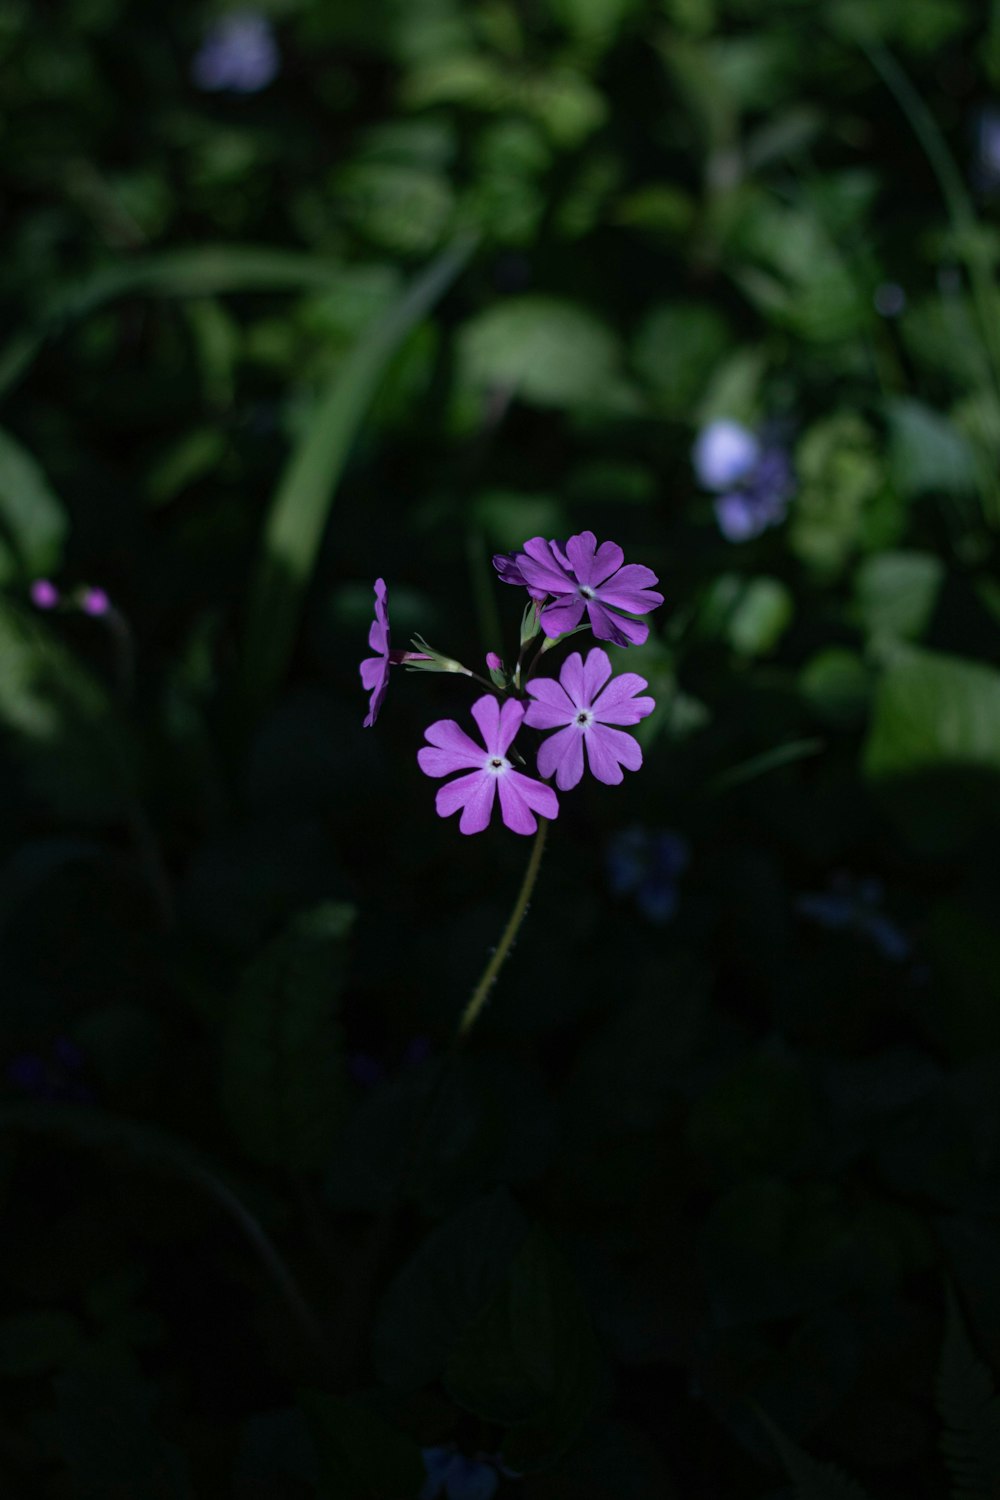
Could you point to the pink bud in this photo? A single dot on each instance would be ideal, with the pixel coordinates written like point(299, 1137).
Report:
point(95, 602)
point(44, 594)
point(493, 662)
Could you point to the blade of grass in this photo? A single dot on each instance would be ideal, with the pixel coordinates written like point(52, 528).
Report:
point(205, 270)
point(301, 506)
point(968, 231)
point(769, 760)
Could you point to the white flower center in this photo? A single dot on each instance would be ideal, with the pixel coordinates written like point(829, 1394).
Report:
point(586, 592)
point(584, 719)
point(497, 765)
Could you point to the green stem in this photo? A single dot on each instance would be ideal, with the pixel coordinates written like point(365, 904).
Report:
point(489, 975)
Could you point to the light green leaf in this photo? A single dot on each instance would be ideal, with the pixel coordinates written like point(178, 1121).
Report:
point(927, 452)
point(301, 505)
point(934, 711)
point(547, 351)
point(760, 617)
point(32, 518)
point(896, 593)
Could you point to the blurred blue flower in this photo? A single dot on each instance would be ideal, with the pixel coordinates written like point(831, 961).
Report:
point(647, 863)
point(754, 474)
point(852, 905)
point(239, 55)
point(453, 1476)
point(724, 454)
point(986, 164)
point(52, 1079)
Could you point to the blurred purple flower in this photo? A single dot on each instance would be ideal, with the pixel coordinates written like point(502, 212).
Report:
point(647, 863)
point(449, 749)
point(852, 905)
point(452, 1476)
point(724, 453)
point(581, 706)
point(239, 55)
point(752, 476)
point(44, 594)
point(375, 669)
point(52, 1079)
point(95, 602)
point(761, 500)
point(584, 577)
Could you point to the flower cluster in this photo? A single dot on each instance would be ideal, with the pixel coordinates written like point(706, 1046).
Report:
point(585, 713)
point(239, 55)
point(750, 475)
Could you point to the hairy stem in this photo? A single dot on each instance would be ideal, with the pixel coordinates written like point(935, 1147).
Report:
point(489, 975)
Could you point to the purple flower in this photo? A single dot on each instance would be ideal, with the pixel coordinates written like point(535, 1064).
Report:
point(95, 602)
point(648, 864)
point(584, 577)
point(855, 906)
point(44, 594)
point(761, 500)
point(724, 454)
point(239, 54)
point(449, 749)
point(453, 1476)
point(375, 669)
point(581, 706)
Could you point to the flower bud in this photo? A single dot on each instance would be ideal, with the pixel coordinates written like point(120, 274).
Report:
point(429, 660)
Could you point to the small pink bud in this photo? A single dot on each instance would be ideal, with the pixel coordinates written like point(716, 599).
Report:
point(44, 594)
point(493, 662)
point(95, 602)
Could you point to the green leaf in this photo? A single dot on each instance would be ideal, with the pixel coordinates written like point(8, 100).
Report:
point(970, 1412)
point(283, 1083)
point(896, 593)
point(530, 1358)
point(362, 1455)
point(927, 452)
point(933, 711)
point(837, 686)
point(204, 271)
point(301, 505)
point(677, 348)
point(811, 1480)
point(544, 350)
point(444, 1289)
point(61, 719)
point(760, 617)
point(32, 518)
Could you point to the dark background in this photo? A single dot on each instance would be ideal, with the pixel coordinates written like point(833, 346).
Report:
point(708, 1206)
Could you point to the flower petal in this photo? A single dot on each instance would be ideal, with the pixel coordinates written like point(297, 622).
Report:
point(372, 669)
point(486, 712)
point(511, 718)
point(474, 793)
point(618, 629)
point(596, 671)
point(558, 618)
point(517, 797)
point(618, 703)
point(571, 679)
point(580, 551)
point(540, 568)
point(445, 734)
point(610, 749)
point(630, 589)
point(550, 706)
point(562, 755)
